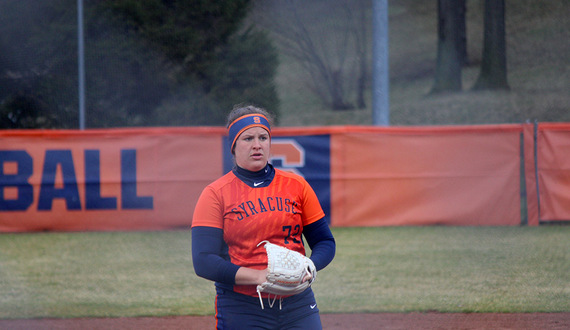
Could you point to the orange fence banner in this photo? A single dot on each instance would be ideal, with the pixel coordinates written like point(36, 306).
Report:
point(151, 178)
point(427, 176)
point(553, 166)
point(141, 179)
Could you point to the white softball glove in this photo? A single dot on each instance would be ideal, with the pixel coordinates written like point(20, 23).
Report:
point(286, 271)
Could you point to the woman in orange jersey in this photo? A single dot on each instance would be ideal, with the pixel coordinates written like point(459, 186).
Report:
point(253, 203)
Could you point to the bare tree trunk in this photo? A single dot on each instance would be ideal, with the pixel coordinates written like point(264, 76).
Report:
point(494, 65)
point(449, 46)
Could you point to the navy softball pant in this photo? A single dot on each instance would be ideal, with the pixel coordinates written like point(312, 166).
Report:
point(238, 311)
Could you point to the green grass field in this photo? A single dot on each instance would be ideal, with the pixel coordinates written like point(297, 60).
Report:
point(385, 269)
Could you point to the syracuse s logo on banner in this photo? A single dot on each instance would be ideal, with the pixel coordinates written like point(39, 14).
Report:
point(308, 156)
point(288, 155)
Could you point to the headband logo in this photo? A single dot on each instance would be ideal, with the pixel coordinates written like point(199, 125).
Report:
point(256, 120)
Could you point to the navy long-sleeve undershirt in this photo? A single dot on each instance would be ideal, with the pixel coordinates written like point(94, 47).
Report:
point(210, 252)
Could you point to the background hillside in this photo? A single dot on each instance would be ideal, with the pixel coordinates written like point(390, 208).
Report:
point(538, 66)
point(177, 63)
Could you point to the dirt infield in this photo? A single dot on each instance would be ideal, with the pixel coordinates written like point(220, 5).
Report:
point(391, 321)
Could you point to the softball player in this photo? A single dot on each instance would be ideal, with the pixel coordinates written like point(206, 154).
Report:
point(252, 203)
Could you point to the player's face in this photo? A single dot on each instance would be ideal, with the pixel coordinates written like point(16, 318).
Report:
point(252, 149)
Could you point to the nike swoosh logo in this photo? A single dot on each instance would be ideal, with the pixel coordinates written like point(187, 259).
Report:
point(313, 306)
point(255, 184)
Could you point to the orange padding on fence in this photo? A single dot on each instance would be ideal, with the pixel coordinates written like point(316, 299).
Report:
point(172, 167)
point(425, 176)
point(150, 178)
point(553, 162)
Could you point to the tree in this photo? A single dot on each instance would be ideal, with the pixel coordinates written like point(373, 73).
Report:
point(329, 41)
point(141, 57)
point(209, 53)
point(493, 73)
point(451, 46)
point(242, 73)
point(36, 70)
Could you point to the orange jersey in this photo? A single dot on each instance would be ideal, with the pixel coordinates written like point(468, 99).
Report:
point(248, 215)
